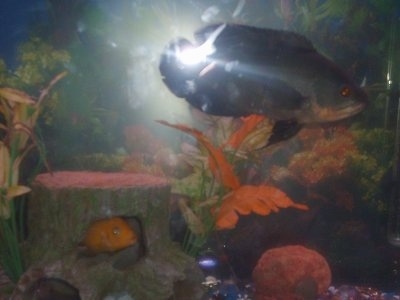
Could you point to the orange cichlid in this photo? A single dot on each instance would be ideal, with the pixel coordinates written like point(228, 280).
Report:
point(109, 235)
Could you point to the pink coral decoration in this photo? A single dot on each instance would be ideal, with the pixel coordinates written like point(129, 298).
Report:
point(289, 273)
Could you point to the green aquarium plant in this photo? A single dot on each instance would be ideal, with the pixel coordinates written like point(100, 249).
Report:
point(38, 61)
point(19, 114)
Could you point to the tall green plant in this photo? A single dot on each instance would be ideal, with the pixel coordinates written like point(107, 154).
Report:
point(19, 114)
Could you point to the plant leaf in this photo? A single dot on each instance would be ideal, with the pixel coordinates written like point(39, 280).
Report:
point(17, 190)
point(249, 124)
point(4, 164)
point(219, 166)
point(194, 223)
point(17, 96)
point(248, 199)
point(10, 193)
point(5, 212)
point(46, 90)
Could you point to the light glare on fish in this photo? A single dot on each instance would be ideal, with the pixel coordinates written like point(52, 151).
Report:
point(195, 55)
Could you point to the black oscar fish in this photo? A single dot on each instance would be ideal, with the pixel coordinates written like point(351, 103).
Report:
point(237, 70)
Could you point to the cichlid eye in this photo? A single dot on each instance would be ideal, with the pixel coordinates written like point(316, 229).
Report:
point(345, 91)
point(116, 231)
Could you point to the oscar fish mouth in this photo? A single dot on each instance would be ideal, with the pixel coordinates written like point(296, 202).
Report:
point(331, 114)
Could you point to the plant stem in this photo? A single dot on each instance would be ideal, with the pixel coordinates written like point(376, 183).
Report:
point(10, 253)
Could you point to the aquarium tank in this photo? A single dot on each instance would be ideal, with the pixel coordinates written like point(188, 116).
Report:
point(198, 149)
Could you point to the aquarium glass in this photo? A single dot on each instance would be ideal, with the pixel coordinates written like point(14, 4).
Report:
point(274, 124)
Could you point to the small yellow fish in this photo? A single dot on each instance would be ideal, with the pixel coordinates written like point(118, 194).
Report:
point(109, 235)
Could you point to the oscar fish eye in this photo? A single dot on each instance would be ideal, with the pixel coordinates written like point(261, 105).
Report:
point(116, 231)
point(345, 91)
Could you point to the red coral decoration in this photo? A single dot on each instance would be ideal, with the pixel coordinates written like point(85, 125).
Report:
point(324, 155)
point(149, 155)
point(288, 273)
point(143, 164)
point(139, 139)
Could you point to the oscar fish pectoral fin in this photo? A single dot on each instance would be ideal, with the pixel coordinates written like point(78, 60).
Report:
point(283, 130)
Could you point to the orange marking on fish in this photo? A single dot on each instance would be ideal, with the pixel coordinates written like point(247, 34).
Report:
point(109, 235)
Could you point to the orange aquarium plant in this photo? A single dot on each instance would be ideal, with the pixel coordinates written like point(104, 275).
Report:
point(19, 113)
point(219, 197)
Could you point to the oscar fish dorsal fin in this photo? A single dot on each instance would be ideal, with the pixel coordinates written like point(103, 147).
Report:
point(270, 39)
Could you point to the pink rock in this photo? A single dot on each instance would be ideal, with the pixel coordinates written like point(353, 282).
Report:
point(86, 179)
point(291, 272)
